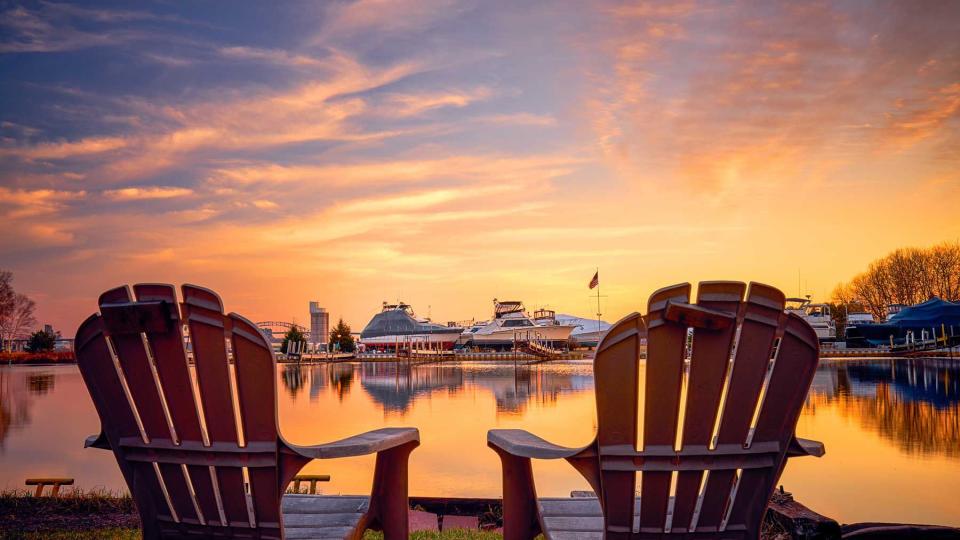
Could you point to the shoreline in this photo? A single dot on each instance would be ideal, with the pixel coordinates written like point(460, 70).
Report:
point(67, 359)
point(82, 514)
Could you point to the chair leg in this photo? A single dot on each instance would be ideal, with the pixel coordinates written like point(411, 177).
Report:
point(389, 503)
point(520, 521)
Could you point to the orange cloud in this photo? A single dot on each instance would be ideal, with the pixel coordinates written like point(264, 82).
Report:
point(66, 149)
point(31, 203)
point(146, 193)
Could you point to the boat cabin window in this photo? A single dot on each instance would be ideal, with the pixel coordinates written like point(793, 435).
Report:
point(819, 311)
point(512, 323)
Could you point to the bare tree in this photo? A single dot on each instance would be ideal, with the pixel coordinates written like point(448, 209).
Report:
point(905, 276)
point(16, 312)
point(6, 292)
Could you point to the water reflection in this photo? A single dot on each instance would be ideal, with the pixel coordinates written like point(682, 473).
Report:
point(890, 427)
point(17, 391)
point(913, 403)
point(396, 386)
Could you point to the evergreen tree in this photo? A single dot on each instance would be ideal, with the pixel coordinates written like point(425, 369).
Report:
point(41, 341)
point(294, 335)
point(340, 338)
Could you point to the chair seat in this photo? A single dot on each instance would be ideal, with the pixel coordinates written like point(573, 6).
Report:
point(579, 518)
point(322, 516)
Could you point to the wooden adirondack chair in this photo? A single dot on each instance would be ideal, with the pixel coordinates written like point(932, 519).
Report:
point(708, 486)
point(219, 470)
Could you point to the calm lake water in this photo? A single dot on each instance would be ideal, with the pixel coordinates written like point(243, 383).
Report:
point(891, 428)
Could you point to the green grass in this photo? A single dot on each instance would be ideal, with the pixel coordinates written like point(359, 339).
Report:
point(70, 501)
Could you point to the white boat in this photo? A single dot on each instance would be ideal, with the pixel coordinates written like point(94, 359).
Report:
point(397, 326)
point(511, 324)
point(586, 332)
point(817, 315)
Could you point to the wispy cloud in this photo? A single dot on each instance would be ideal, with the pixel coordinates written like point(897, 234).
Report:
point(23, 203)
point(146, 193)
point(271, 56)
point(404, 105)
point(65, 149)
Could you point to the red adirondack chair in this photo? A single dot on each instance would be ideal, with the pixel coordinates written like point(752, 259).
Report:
point(220, 469)
point(709, 484)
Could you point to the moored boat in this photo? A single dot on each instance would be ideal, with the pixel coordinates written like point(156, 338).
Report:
point(397, 325)
point(818, 316)
point(511, 325)
point(933, 318)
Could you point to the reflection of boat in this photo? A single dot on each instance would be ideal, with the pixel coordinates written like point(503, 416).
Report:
point(915, 403)
point(511, 324)
point(817, 315)
point(921, 321)
point(397, 324)
point(396, 386)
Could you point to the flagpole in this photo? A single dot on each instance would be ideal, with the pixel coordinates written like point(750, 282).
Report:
point(598, 306)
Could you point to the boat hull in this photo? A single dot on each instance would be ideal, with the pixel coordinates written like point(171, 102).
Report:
point(432, 340)
point(556, 335)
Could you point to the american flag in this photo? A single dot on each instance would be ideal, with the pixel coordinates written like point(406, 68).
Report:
point(596, 280)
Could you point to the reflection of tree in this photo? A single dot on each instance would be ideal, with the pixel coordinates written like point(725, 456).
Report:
point(913, 403)
point(294, 378)
point(341, 377)
point(40, 383)
point(14, 401)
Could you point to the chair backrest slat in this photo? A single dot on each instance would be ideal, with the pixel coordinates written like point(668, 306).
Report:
point(761, 314)
point(792, 374)
point(127, 322)
point(119, 314)
point(171, 361)
point(256, 394)
point(616, 371)
point(203, 311)
point(99, 372)
point(667, 343)
point(723, 481)
point(174, 372)
point(708, 371)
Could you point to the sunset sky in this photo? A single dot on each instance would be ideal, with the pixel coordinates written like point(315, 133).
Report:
point(448, 152)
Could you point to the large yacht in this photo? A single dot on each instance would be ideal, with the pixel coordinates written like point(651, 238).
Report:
point(397, 324)
point(511, 324)
point(817, 315)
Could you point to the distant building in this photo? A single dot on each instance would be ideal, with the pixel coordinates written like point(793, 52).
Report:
point(319, 325)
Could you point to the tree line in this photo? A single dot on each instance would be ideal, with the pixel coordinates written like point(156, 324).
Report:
point(906, 276)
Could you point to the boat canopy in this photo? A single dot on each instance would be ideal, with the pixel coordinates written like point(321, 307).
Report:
point(933, 312)
point(399, 322)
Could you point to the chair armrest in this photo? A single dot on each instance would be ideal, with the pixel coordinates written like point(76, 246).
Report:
point(805, 447)
point(97, 441)
point(522, 443)
point(370, 442)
